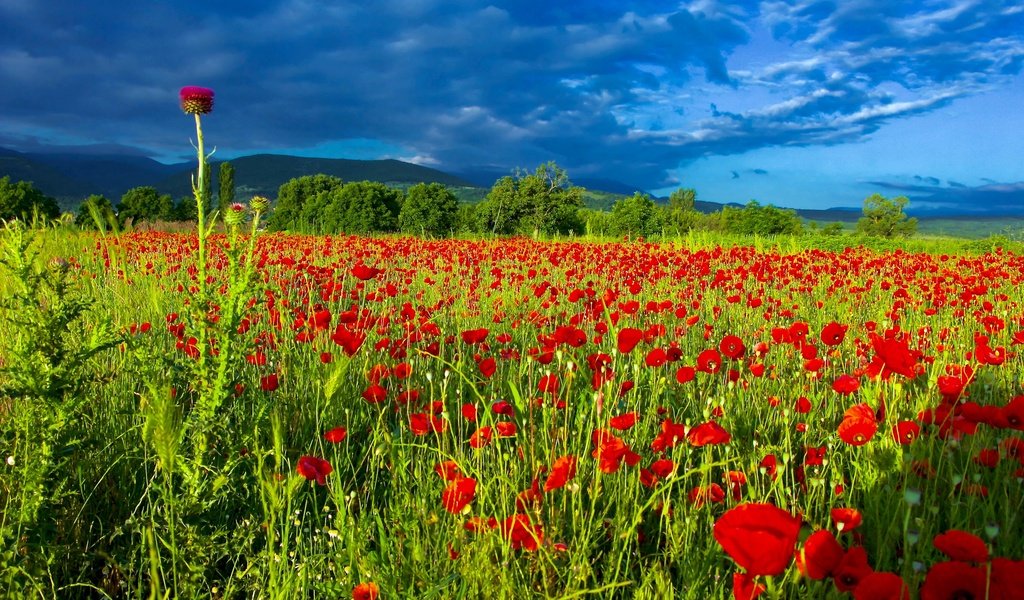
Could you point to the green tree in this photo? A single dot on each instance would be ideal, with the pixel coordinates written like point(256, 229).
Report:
point(544, 201)
point(95, 207)
point(754, 219)
point(430, 209)
point(226, 182)
point(144, 204)
point(885, 218)
point(292, 196)
point(355, 207)
point(635, 216)
point(22, 200)
point(683, 199)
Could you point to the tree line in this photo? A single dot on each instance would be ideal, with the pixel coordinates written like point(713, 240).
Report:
point(541, 202)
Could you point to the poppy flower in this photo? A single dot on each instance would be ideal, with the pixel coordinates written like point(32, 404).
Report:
point(710, 433)
point(521, 533)
point(314, 469)
point(833, 334)
point(365, 273)
point(851, 569)
point(846, 385)
point(906, 432)
point(196, 100)
point(820, 555)
point(709, 361)
point(882, 586)
point(858, 425)
point(562, 472)
point(375, 394)
point(846, 519)
point(628, 338)
point(892, 356)
point(487, 367)
point(761, 538)
point(952, 580)
point(732, 347)
point(745, 587)
point(269, 383)
point(365, 591)
point(962, 546)
point(624, 421)
point(336, 435)
point(458, 494)
point(685, 374)
point(701, 495)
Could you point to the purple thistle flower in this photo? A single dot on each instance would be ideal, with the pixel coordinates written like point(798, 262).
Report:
point(196, 100)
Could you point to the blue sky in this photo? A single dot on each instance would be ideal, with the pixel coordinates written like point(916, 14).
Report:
point(799, 103)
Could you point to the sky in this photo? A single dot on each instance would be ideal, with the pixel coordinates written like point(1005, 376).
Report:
point(802, 103)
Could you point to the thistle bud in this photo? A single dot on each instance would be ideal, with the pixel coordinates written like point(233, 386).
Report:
point(235, 214)
point(259, 204)
point(196, 100)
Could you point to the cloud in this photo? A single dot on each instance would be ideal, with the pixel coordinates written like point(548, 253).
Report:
point(927, 194)
point(604, 87)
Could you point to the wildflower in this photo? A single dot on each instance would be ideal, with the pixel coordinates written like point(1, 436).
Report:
point(196, 100)
point(365, 591)
point(314, 469)
point(761, 538)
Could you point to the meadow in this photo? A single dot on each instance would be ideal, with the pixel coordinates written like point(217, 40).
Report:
point(234, 415)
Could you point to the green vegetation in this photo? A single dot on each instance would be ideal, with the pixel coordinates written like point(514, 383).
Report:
point(226, 183)
point(429, 209)
point(22, 200)
point(885, 218)
point(543, 202)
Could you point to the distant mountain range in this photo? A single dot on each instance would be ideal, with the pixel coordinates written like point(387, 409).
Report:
point(70, 177)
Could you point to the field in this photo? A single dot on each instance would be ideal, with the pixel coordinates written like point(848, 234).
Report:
point(275, 416)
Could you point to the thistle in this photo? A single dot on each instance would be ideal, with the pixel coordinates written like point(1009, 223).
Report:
point(196, 100)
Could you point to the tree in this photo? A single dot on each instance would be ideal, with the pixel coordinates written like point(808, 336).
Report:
point(22, 200)
point(95, 207)
point(356, 207)
point(292, 196)
point(226, 181)
point(885, 218)
point(144, 204)
point(542, 202)
point(635, 216)
point(683, 199)
point(430, 209)
point(754, 219)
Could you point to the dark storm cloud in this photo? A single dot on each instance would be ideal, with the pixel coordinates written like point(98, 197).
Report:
point(464, 82)
point(925, 195)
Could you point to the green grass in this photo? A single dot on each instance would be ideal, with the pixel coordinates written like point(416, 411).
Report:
point(111, 493)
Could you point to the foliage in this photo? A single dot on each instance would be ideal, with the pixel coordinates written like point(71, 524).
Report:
point(226, 183)
point(429, 209)
point(884, 217)
point(636, 216)
point(754, 219)
point(683, 199)
point(21, 200)
point(144, 204)
point(293, 196)
point(543, 202)
point(96, 211)
point(355, 207)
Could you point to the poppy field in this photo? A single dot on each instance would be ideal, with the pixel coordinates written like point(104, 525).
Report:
point(393, 417)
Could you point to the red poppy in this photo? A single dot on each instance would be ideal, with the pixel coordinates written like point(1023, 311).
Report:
point(710, 433)
point(487, 367)
point(858, 425)
point(820, 555)
point(365, 591)
point(562, 472)
point(882, 586)
point(846, 384)
point(548, 384)
point(458, 494)
point(709, 361)
point(336, 435)
point(892, 355)
point(1007, 578)
point(375, 394)
point(268, 383)
point(906, 432)
point(365, 273)
point(833, 333)
point(685, 374)
point(851, 569)
point(628, 338)
point(701, 495)
point(481, 437)
point(624, 421)
point(745, 587)
point(962, 546)
point(846, 519)
point(759, 537)
point(314, 469)
point(521, 533)
point(732, 347)
point(953, 580)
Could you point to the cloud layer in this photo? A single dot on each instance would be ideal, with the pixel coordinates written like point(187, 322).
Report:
point(625, 90)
